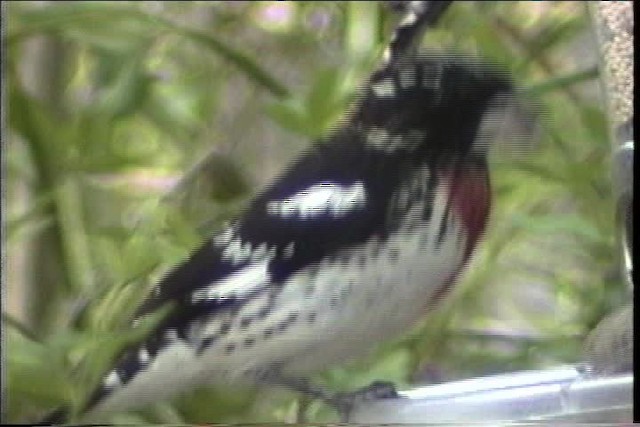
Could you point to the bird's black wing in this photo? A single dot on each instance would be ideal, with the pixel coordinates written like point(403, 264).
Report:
point(333, 197)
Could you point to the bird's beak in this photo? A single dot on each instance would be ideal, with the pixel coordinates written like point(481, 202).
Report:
point(510, 125)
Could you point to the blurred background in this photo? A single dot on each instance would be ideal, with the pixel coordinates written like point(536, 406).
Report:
point(134, 129)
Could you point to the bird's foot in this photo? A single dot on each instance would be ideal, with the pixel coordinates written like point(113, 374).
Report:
point(344, 403)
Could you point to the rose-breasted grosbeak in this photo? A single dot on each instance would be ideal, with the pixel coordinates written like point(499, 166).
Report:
point(351, 246)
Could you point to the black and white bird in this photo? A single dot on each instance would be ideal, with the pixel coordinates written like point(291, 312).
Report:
point(351, 246)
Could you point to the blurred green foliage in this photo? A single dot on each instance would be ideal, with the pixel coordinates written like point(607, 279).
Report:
point(110, 102)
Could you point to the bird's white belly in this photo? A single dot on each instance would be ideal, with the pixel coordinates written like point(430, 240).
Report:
point(359, 308)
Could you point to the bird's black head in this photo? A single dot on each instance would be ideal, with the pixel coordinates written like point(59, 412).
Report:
point(430, 104)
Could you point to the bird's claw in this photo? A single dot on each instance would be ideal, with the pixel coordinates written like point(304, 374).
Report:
point(344, 403)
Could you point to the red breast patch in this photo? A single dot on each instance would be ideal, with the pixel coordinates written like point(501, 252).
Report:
point(470, 197)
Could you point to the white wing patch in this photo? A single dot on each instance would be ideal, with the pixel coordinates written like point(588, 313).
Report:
point(224, 237)
point(384, 88)
point(319, 200)
point(112, 380)
point(289, 250)
point(407, 78)
point(238, 251)
point(380, 139)
point(409, 19)
point(144, 356)
point(432, 76)
point(238, 284)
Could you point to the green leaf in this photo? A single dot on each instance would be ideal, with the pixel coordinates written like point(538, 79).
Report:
point(215, 403)
point(32, 222)
point(36, 371)
point(128, 93)
point(541, 171)
point(113, 27)
point(326, 100)
point(563, 81)
point(290, 114)
point(239, 59)
point(595, 122)
point(553, 34)
point(19, 327)
point(558, 223)
point(361, 29)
